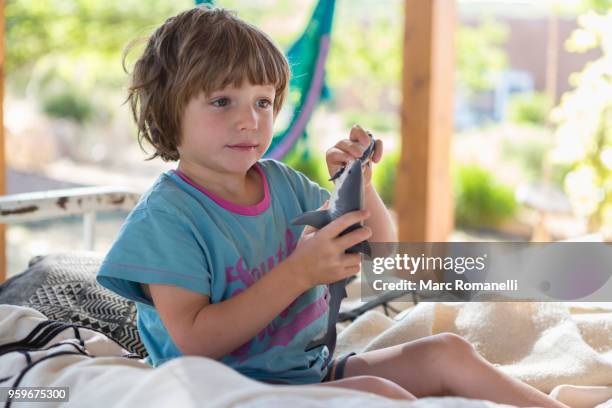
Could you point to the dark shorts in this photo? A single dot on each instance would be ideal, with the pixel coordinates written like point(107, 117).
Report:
point(335, 371)
point(336, 368)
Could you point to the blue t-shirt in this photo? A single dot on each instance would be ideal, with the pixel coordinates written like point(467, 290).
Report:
point(182, 235)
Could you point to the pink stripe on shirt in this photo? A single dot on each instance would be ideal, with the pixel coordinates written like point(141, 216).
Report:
point(251, 210)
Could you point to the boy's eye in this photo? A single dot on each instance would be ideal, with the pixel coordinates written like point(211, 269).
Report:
point(264, 103)
point(221, 102)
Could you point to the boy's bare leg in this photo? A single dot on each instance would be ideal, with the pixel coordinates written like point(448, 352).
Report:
point(375, 385)
point(445, 364)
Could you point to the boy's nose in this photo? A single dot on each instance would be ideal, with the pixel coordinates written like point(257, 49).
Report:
point(247, 120)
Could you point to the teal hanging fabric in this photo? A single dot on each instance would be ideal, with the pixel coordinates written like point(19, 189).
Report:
point(307, 57)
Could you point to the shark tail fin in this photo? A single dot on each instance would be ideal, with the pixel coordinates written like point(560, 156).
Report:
point(317, 219)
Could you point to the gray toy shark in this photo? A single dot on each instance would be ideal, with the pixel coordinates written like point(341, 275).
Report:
point(348, 196)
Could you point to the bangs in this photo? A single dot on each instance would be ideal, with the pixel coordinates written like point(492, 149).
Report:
point(241, 52)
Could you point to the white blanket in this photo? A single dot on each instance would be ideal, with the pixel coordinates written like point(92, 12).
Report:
point(98, 376)
point(546, 345)
point(562, 350)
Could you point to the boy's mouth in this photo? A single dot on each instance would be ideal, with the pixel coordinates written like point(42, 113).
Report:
point(243, 146)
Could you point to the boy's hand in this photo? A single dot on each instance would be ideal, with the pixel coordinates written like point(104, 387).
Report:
point(319, 256)
point(347, 150)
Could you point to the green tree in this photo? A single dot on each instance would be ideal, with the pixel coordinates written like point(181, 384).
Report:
point(365, 60)
point(584, 124)
point(68, 32)
point(479, 55)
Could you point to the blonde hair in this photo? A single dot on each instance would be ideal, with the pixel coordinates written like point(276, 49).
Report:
point(202, 49)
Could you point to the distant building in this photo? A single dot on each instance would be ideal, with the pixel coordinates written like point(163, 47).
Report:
point(528, 25)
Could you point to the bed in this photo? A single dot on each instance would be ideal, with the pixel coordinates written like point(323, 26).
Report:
point(58, 327)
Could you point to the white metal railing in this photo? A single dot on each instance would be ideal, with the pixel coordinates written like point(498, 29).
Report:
point(86, 201)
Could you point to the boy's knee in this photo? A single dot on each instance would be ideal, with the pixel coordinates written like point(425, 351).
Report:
point(456, 342)
point(450, 346)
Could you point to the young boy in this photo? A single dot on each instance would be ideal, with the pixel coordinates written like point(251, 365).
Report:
point(209, 253)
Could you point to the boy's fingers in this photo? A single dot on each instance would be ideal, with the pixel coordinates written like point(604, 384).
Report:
point(353, 148)
point(336, 156)
point(334, 228)
point(308, 230)
point(353, 237)
point(349, 260)
point(378, 151)
point(352, 270)
point(359, 135)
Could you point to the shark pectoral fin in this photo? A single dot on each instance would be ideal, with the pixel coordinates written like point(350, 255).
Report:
point(317, 219)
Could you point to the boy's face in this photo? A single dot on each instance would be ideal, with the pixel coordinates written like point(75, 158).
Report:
point(228, 130)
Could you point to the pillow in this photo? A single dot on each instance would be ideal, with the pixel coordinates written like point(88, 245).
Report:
point(63, 287)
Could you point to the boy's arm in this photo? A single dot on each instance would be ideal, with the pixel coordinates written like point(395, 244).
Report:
point(383, 227)
point(215, 330)
point(346, 150)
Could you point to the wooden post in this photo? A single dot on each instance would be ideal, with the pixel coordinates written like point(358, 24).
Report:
point(3, 263)
point(423, 198)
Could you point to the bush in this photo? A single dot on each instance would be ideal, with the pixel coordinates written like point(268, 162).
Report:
point(529, 108)
point(68, 104)
point(480, 200)
point(312, 164)
point(529, 155)
point(385, 175)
